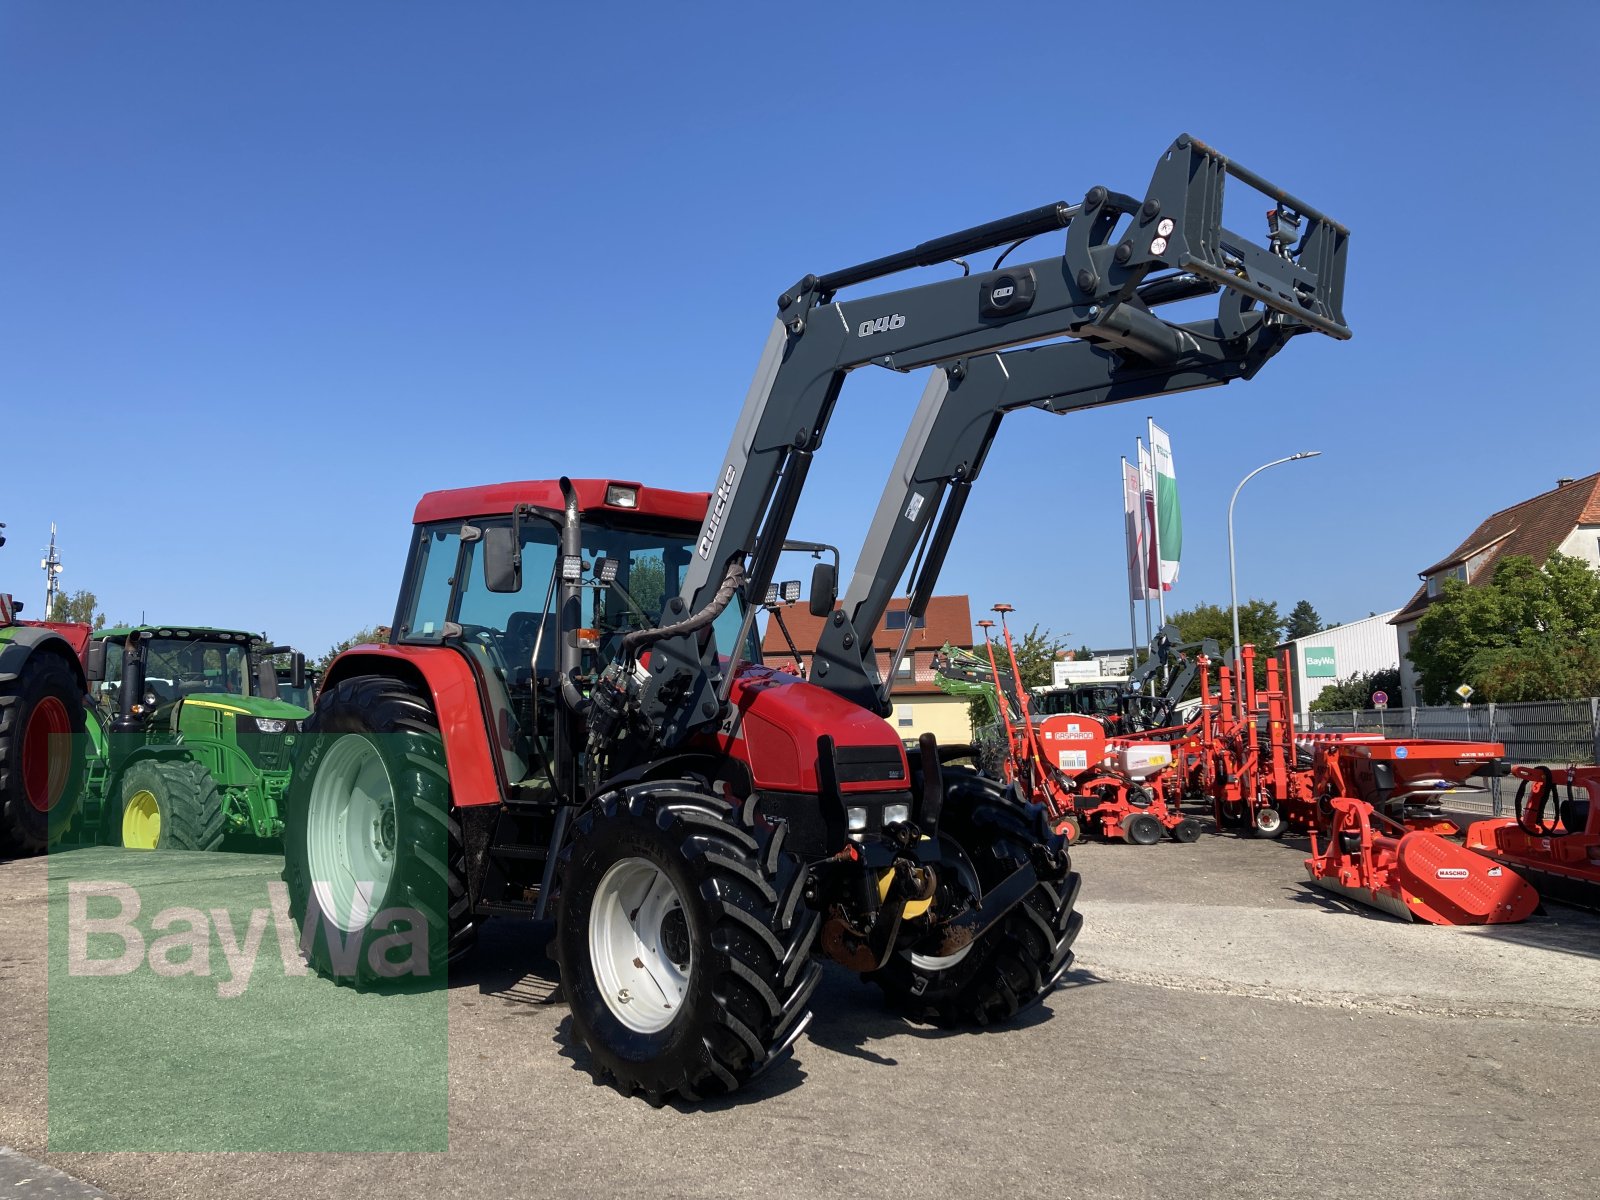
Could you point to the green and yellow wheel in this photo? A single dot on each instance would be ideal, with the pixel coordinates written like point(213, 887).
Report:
point(141, 821)
point(171, 805)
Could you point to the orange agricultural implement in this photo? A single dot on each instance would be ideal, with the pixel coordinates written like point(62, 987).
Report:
point(1264, 775)
point(1554, 837)
point(1411, 873)
point(1114, 788)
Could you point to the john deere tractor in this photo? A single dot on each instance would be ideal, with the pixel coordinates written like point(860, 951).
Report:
point(189, 738)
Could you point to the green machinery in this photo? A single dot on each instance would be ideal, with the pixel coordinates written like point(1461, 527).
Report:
point(189, 737)
point(301, 691)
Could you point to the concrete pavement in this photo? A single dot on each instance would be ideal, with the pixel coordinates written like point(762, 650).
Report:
point(1227, 1032)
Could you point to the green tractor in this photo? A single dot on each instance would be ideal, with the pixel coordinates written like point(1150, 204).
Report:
point(302, 693)
point(41, 715)
point(190, 738)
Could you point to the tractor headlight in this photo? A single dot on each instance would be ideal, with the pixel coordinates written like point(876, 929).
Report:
point(151, 700)
point(893, 813)
point(856, 818)
point(275, 725)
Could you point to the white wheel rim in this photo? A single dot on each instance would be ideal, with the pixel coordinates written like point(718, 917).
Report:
point(1268, 820)
point(350, 833)
point(639, 945)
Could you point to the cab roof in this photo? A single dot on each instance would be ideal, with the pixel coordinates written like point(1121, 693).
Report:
point(493, 499)
point(208, 632)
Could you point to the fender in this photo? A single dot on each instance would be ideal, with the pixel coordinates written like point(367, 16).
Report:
point(61, 639)
point(447, 679)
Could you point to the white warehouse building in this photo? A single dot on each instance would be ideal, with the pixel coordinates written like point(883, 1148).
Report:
point(1319, 659)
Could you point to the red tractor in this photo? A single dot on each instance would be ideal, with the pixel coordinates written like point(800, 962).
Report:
point(42, 735)
point(571, 721)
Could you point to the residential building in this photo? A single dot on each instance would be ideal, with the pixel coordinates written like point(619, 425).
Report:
point(1565, 519)
point(919, 706)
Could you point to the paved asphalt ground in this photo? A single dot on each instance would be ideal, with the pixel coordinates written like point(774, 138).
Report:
point(1226, 1032)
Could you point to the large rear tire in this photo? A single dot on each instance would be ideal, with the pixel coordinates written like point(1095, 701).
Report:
point(1020, 960)
point(683, 940)
point(372, 847)
point(41, 753)
point(171, 805)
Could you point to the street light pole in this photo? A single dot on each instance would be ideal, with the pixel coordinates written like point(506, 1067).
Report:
point(1233, 573)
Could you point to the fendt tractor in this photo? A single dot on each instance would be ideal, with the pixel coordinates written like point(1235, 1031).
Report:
point(41, 727)
point(570, 718)
point(188, 740)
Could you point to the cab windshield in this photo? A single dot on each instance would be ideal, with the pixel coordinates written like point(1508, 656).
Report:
point(514, 638)
point(446, 584)
point(176, 666)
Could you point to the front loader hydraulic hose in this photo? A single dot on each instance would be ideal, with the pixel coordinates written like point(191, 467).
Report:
point(731, 583)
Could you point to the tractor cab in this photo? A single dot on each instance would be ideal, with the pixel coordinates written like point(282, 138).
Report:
point(487, 577)
point(301, 693)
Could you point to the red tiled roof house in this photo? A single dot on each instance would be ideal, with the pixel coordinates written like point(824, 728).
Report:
point(1565, 519)
point(919, 706)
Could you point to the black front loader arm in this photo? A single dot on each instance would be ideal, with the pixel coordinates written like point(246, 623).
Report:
point(1123, 258)
point(955, 424)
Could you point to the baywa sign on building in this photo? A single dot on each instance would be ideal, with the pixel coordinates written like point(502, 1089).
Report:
point(1320, 662)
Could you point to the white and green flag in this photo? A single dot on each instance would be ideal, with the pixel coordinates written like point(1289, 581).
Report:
point(1169, 516)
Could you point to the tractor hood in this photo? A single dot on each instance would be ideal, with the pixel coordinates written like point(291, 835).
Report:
point(253, 706)
point(777, 719)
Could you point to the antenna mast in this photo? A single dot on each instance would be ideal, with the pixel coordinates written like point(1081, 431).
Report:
point(52, 571)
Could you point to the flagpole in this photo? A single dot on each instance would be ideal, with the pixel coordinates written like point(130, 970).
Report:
point(1155, 508)
point(1133, 552)
point(1147, 523)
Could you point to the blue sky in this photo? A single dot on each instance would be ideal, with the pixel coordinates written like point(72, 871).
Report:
point(268, 272)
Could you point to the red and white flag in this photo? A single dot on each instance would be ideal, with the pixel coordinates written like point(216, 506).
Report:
point(1136, 529)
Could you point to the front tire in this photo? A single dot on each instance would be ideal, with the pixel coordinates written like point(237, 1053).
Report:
point(683, 940)
point(171, 805)
point(1020, 960)
point(372, 846)
point(41, 753)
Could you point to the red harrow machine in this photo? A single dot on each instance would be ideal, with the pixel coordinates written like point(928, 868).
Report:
point(1263, 775)
point(1371, 805)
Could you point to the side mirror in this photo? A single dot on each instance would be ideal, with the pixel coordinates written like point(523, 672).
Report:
point(502, 559)
point(297, 670)
point(824, 589)
point(94, 662)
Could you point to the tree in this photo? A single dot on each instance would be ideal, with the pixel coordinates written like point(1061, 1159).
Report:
point(1260, 625)
point(1036, 652)
point(1529, 633)
point(1343, 695)
point(81, 608)
point(1303, 621)
point(1084, 654)
point(377, 633)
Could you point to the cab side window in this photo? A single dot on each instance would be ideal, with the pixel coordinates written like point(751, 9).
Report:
point(432, 575)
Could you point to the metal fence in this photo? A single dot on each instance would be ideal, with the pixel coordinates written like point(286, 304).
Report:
point(1540, 731)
